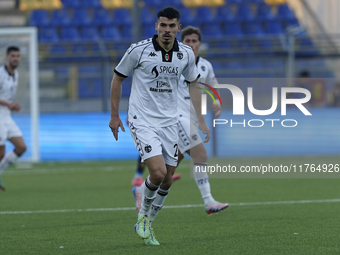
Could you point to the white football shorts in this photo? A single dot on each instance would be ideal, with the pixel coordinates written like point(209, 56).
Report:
point(153, 141)
point(188, 135)
point(8, 129)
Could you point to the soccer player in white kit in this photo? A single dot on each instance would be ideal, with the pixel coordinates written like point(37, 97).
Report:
point(189, 138)
point(157, 64)
point(8, 128)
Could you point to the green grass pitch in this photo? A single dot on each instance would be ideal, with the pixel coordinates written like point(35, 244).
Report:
point(44, 211)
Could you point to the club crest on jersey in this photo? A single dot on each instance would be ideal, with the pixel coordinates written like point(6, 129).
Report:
point(167, 57)
point(179, 55)
point(148, 148)
point(203, 68)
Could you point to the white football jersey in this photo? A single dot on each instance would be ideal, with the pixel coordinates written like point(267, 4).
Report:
point(206, 70)
point(8, 88)
point(156, 74)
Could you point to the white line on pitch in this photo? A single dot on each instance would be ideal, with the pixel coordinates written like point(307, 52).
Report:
point(173, 206)
point(67, 170)
point(85, 169)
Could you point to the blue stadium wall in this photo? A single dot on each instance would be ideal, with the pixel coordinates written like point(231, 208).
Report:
point(72, 137)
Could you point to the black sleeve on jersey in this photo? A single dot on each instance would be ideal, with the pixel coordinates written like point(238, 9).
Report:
point(192, 81)
point(120, 74)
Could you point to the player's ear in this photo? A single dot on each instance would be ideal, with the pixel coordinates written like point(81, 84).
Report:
point(179, 27)
point(156, 26)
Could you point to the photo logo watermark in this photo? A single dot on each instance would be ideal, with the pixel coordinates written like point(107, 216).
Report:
point(239, 103)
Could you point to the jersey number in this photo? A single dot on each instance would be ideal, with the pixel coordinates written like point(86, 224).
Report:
point(176, 151)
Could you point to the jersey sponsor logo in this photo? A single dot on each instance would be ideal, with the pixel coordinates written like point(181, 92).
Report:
point(154, 71)
point(152, 54)
point(169, 70)
point(161, 90)
point(165, 70)
point(161, 84)
point(179, 55)
point(203, 68)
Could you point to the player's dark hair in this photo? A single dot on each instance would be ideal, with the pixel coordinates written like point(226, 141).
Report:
point(169, 12)
point(191, 30)
point(12, 48)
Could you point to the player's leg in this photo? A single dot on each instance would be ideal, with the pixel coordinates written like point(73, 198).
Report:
point(10, 131)
point(199, 155)
point(149, 146)
point(14, 135)
point(180, 158)
point(157, 170)
point(157, 204)
point(191, 143)
point(19, 144)
point(2, 154)
point(162, 193)
point(138, 177)
point(12, 156)
point(169, 138)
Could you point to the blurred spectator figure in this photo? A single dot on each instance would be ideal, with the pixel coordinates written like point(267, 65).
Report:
point(303, 81)
point(335, 96)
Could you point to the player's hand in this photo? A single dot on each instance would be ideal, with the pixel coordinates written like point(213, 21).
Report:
point(14, 106)
point(115, 123)
point(217, 109)
point(204, 128)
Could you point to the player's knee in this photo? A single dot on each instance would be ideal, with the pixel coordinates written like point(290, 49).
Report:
point(21, 149)
point(201, 157)
point(157, 177)
point(167, 183)
point(180, 158)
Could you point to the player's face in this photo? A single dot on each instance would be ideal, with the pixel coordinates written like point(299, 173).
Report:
point(167, 29)
point(13, 59)
point(192, 41)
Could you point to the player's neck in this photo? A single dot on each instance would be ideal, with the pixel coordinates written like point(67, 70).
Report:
point(164, 46)
point(9, 69)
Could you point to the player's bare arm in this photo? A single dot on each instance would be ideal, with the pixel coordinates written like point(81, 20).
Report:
point(195, 95)
point(13, 106)
point(217, 107)
point(116, 93)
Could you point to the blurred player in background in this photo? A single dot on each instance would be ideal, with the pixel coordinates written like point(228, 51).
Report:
point(189, 138)
point(157, 65)
point(137, 179)
point(8, 128)
point(335, 95)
